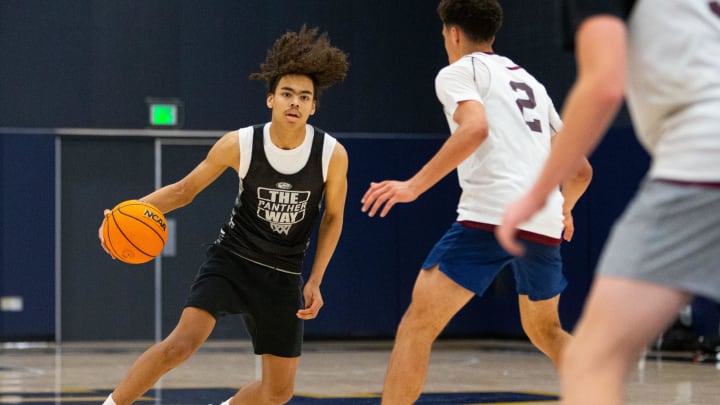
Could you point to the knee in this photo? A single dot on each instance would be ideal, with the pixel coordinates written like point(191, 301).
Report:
point(574, 360)
point(418, 325)
point(542, 334)
point(581, 357)
point(570, 354)
point(280, 394)
point(178, 350)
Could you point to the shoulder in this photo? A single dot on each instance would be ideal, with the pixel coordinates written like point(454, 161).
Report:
point(245, 132)
point(229, 139)
point(328, 141)
point(459, 69)
point(338, 149)
point(338, 158)
point(236, 136)
point(454, 78)
point(225, 151)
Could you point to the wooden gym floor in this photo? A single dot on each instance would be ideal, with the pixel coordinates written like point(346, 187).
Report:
point(461, 372)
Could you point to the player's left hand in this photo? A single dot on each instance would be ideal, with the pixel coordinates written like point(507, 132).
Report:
point(313, 302)
point(387, 193)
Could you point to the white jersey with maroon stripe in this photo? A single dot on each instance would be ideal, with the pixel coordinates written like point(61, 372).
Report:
point(522, 120)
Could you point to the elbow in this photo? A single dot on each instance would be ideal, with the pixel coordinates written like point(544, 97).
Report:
point(479, 136)
point(607, 85)
point(332, 223)
point(584, 172)
point(604, 90)
point(611, 95)
point(182, 195)
point(482, 136)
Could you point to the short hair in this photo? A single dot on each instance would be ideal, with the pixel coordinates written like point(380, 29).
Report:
point(303, 53)
point(480, 20)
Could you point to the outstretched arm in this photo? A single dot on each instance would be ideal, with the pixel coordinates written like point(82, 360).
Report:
point(224, 153)
point(471, 133)
point(329, 232)
point(591, 106)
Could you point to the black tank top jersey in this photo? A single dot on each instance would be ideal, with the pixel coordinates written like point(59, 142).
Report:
point(275, 213)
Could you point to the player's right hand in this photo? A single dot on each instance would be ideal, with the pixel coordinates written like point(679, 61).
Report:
point(100, 233)
point(516, 214)
point(385, 195)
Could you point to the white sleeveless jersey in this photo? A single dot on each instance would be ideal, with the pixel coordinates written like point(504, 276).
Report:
point(521, 119)
point(674, 86)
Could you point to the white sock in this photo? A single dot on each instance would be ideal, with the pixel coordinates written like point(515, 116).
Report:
point(109, 401)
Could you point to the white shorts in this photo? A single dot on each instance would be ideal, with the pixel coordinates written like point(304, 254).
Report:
point(669, 235)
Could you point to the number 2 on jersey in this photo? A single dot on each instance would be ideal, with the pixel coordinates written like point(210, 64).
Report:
point(527, 101)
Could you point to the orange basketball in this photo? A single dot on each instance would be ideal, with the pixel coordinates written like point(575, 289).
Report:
point(135, 231)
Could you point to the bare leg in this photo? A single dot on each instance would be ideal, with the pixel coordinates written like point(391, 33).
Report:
point(435, 300)
point(541, 323)
point(621, 318)
point(276, 386)
point(190, 333)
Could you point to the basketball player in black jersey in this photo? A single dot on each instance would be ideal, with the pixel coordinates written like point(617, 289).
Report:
point(286, 169)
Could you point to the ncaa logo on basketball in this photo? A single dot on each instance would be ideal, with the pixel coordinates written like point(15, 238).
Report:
point(283, 185)
point(155, 217)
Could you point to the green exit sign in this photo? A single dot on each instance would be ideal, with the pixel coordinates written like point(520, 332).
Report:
point(164, 113)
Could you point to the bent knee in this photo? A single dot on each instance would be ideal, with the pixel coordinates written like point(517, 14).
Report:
point(178, 350)
point(545, 332)
point(279, 395)
point(605, 354)
point(575, 360)
point(419, 325)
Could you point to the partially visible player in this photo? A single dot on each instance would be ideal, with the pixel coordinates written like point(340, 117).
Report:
point(286, 169)
point(502, 122)
point(666, 246)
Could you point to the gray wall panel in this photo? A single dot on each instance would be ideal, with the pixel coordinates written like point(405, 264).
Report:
point(102, 298)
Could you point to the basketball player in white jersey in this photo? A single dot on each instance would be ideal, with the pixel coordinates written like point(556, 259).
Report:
point(666, 246)
point(286, 168)
point(502, 122)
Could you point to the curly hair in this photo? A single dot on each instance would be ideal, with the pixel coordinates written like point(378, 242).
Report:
point(480, 20)
point(303, 53)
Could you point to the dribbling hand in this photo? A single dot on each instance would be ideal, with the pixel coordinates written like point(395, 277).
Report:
point(100, 233)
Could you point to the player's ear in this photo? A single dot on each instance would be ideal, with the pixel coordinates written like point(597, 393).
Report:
point(455, 34)
point(269, 101)
point(314, 106)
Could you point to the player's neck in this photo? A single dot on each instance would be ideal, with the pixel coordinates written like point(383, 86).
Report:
point(287, 136)
point(481, 47)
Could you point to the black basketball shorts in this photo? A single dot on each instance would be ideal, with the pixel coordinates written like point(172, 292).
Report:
point(267, 300)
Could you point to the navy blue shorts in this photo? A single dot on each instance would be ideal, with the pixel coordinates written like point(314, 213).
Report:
point(473, 258)
point(267, 300)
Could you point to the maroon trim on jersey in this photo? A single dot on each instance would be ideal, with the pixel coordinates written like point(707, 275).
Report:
point(513, 68)
point(715, 8)
point(524, 235)
point(705, 184)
